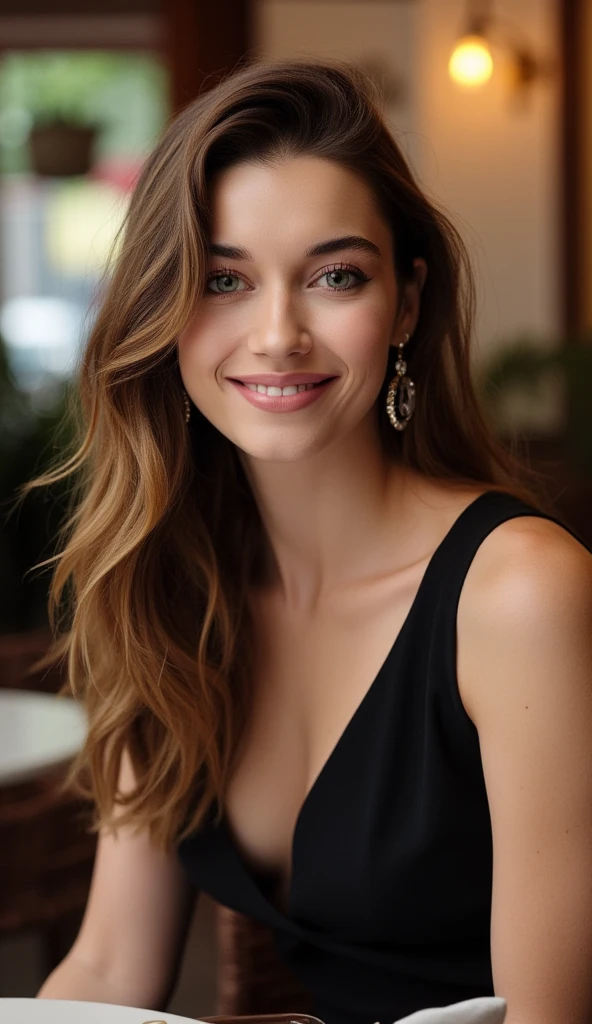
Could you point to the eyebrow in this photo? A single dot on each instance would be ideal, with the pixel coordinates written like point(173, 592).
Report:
point(332, 245)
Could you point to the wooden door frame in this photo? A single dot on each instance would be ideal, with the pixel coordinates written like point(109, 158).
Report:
point(201, 48)
point(574, 109)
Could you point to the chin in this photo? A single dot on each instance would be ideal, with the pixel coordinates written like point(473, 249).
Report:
point(280, 446)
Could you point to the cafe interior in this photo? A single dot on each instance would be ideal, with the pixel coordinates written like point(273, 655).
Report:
point(492, 104)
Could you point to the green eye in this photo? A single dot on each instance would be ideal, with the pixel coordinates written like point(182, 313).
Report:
point(225, 284)
point(339, 279)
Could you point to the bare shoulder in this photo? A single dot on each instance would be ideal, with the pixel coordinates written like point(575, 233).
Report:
point(527, 594)
point(524, 665)
point(525, 566)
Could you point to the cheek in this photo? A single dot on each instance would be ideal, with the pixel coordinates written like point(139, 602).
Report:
point(201, 349)
point(359, 333)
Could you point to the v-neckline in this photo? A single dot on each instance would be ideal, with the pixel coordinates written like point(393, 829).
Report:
point(286, 914)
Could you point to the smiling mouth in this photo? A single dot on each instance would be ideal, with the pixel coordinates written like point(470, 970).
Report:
point(275, 391)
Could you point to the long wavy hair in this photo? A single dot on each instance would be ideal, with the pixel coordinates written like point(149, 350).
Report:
point(149, 596)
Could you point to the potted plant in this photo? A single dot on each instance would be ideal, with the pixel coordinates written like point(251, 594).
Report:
point(60, 94)
point(63, 110)
point(526, 374)
point(533, 373)
point(61, 149)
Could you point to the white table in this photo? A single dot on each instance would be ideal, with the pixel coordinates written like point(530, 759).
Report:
point(484, 1010)
point(59, 1011)
point(38, 732)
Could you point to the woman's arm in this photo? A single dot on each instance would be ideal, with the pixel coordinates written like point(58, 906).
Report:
point(131, 940)
point(525, 676)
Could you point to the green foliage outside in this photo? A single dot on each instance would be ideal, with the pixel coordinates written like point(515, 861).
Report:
point(523, 365)
point(122, 94)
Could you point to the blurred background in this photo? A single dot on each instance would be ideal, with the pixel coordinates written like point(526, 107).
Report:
point(491, 101)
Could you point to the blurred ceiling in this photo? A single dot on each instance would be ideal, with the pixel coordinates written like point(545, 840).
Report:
point(23, 8)
point(36, 8)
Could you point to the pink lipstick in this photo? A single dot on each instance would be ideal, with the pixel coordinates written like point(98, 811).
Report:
point(312, 385)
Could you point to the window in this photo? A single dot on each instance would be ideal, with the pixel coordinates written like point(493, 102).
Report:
point(57, 229)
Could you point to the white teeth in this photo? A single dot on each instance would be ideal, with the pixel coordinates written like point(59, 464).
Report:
point(275, 392)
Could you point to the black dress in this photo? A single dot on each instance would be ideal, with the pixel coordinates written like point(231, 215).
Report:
point(390, 897)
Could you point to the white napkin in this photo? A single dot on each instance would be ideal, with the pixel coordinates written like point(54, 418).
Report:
point(485, 1010)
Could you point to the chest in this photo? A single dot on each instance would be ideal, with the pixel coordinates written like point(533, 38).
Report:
point(358, 793)
point(312, 676)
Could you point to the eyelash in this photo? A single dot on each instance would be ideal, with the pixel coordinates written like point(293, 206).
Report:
point(354, 271)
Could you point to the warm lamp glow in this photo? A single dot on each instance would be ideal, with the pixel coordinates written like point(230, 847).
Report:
point(471, 64)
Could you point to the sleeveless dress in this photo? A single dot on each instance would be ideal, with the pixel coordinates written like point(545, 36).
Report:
point(390, 898)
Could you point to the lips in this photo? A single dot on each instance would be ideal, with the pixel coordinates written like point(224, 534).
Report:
point(282, 380)
point(300, 398)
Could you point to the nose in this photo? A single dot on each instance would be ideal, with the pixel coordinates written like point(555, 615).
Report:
point(277, 330)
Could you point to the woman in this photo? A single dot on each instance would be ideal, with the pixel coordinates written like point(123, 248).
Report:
point(336, 661)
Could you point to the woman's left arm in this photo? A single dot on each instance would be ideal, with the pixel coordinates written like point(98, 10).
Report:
point(525, 677)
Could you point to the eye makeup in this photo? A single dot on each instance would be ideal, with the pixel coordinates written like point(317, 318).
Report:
point(335, 268)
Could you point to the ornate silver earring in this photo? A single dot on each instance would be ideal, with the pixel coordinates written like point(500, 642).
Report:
point(187, 406)
point(400, 399)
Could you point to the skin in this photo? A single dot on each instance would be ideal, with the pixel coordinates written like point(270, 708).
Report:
point(352, 534)
point(304, 466)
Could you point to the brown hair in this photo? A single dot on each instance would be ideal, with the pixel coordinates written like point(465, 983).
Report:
point(149, 594)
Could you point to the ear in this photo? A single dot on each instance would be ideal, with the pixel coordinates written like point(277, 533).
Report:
point(410, 302)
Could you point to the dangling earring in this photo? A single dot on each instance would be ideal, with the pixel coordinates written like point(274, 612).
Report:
point(400, 399)
point(187, 406)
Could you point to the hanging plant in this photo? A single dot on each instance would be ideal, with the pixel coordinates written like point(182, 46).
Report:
point(523, 368)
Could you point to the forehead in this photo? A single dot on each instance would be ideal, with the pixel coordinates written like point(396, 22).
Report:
point(303, 199)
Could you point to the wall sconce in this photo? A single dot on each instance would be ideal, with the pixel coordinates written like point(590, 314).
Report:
point(471, 64)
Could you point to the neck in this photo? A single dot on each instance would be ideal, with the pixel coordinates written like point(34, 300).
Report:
point(334, 518)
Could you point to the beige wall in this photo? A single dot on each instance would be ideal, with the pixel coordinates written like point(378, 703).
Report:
point(492, 162)
point(362, 31)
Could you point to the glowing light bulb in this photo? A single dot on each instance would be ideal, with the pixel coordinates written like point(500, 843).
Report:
point(471, 63)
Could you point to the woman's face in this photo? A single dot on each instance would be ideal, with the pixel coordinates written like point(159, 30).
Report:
point(301, 290)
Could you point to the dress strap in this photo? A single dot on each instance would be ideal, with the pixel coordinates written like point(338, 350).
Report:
point(455, 554)
point(449, 568)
